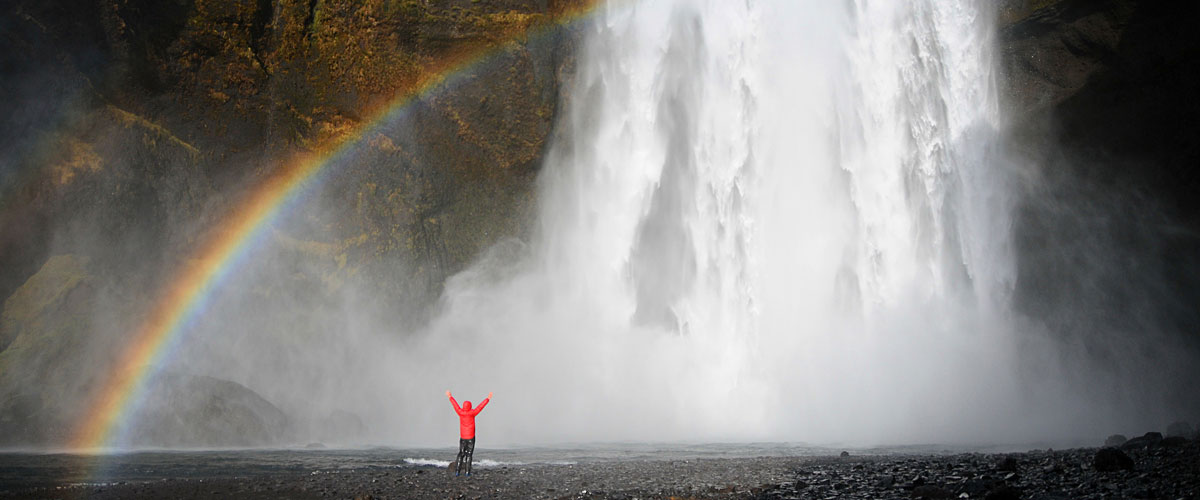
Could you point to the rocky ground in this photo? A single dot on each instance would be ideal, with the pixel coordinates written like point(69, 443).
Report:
point(1149, 467)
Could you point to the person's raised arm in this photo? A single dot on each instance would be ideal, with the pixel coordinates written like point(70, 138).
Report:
point(482, 404)
point(453, 402)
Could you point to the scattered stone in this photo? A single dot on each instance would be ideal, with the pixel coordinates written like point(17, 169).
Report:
point(1003, 493)
point(975, 488)
point(931, 492)
point(1161, 472)
point(1111, 459)
point(1115, 440)
point(1008, 464)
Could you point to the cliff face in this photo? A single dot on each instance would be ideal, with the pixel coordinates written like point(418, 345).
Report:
point(137, 125)
point(1113, 81)
point(138, 121)
point(1104, 107)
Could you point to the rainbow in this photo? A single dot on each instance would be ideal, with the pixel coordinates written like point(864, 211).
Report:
point(184, 298)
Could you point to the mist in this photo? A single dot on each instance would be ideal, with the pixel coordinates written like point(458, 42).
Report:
point(754, 221)
point(788, 222)
point(779, 222)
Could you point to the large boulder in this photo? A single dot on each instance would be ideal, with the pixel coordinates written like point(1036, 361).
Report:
point(182, 410)
point(1144, 441)
point(1115, 440)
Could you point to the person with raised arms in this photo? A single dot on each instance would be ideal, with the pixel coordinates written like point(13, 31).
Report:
point(466, 431)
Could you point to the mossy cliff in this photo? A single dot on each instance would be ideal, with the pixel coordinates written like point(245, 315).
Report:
point(141, 121)
point(137, 126)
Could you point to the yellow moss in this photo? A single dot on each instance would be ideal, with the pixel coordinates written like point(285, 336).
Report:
point(219, 96)
point(499, 25)
point(467, 133)
point(131, 120)
point(317, 13)
point(332, 131)
point(384, 143)
point(81, 158)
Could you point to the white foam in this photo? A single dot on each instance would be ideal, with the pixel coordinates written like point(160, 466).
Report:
point(493, 463)
point(427, 461)
point(445, 463)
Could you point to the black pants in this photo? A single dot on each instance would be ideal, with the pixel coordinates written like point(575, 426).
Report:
point(466, 449)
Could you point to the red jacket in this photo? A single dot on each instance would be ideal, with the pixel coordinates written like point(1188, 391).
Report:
point(466, 417)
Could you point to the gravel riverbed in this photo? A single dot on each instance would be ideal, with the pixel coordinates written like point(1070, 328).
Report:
point(1167, 468)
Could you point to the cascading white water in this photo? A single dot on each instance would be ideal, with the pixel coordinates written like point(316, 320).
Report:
point(776, 220)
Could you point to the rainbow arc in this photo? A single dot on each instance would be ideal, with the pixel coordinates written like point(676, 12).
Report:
point(183, 300)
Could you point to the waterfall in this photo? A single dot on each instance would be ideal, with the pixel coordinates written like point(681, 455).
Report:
point(759, 220)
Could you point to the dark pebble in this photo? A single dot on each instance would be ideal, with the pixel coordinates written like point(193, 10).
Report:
point(1003, 493)
point(931, 492)
point(1111, 459)
point(1008, 464)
